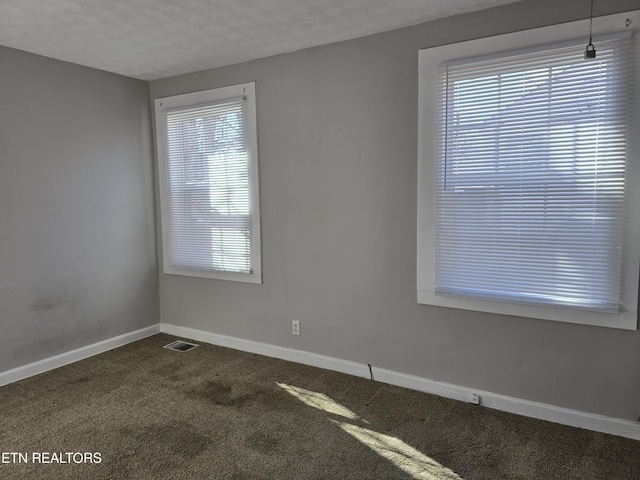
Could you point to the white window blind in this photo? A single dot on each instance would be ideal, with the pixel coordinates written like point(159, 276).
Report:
point(531, 177)
point(208, 175)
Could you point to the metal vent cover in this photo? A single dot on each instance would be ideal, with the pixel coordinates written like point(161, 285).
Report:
point(180, 346)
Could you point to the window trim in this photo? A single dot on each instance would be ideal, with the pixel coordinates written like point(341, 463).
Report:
point(429, 59)
point(186, 100)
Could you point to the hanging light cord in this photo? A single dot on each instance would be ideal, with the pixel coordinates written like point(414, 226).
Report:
point(590, 51)
point(591, 23)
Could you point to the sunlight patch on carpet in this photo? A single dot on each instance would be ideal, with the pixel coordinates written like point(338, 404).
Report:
point(318, 400)
point(405, 457)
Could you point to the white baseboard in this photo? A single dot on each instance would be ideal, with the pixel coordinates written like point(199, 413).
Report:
point(527, 408)
point(543, 411)
point(66, 358)
point(268, 350)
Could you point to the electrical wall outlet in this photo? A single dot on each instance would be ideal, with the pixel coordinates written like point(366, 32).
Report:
point(475, 399)
point(295, 327)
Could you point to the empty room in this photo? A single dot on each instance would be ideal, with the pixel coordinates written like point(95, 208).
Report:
point(320, 239)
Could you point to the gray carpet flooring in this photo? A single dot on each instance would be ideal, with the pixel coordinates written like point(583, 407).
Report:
point(213, 413)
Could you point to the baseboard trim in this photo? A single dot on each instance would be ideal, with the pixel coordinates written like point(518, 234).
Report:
point(268, 350)
point(543, 411)
point(78, 354)
point(527, 408)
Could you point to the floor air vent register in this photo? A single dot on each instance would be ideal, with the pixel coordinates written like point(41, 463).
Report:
point(180, 346)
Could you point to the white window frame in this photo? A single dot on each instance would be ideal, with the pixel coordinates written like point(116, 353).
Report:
point(429, 59)
point(193, 99)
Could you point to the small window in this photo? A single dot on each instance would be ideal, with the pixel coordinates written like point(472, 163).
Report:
point(530, 183)
point(208, 165)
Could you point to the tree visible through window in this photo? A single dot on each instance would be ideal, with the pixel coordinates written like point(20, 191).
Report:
point(210, 217)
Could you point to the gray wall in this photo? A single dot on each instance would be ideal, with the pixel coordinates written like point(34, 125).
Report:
point(77, 239)
point(337, 130)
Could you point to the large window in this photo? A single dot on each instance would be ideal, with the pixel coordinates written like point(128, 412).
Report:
point(530, 180)
point(208, 167)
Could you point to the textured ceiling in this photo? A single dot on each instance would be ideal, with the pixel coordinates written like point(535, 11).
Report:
point(151, 39)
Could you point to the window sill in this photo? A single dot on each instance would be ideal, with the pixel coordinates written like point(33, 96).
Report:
point(623, 320)
point(254, 277)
